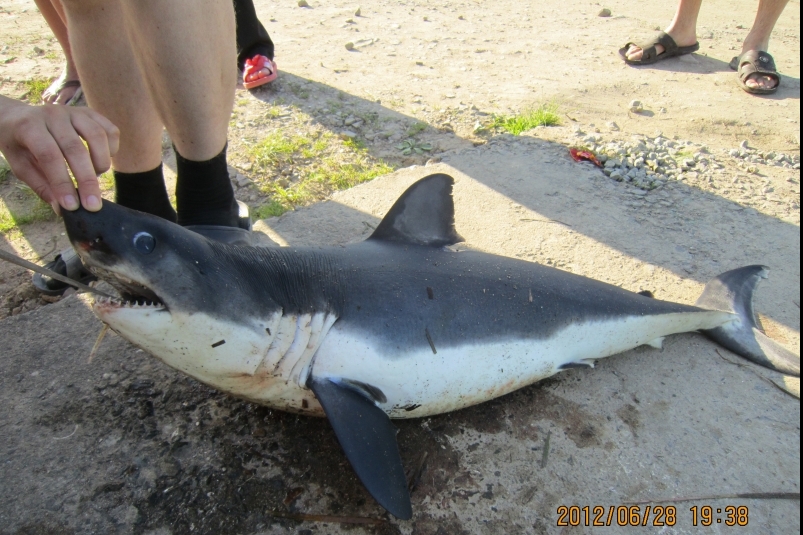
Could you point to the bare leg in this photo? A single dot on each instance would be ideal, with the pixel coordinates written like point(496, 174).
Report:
point(759, 37)
point(53, 13)
point(186, 79)
point(112, 85)
point(683, 28)
point(186, 52)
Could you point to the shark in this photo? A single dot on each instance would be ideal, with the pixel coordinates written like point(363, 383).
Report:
point(401, 325)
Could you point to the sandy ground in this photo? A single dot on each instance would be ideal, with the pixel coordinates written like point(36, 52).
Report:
point(124, 445)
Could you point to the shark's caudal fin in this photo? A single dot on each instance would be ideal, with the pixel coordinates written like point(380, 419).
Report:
point(423, 215)
point(732, 291)
point(369, 440)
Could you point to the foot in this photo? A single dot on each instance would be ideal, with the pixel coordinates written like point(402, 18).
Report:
point(68, 264)
point(760, 81)
point(634, 52)
point(64, 88)
point(258, 70)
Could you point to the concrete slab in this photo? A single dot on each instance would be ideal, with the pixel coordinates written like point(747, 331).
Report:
point(126, 445)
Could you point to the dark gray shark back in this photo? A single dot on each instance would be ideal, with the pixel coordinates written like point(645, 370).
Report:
point(396, 294)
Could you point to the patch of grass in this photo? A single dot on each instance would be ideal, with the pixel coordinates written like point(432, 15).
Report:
point(106, 181)
point(5, 170)
point(272, 209)
point(34, 89)
point(30, 209)
point(298, 91)
point(276, 148)
point(354, 144)
point(315, 148)
point(681, 155)
point(416, 128)
point(339, 175)
point(319, 166)
point(412, 146)
point(544, 115)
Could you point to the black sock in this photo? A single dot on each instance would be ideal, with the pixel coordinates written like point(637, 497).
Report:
point(204, 195)
point(145, 192)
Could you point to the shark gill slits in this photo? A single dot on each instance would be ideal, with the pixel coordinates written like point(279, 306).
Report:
point(144, 242)
point(219, 343)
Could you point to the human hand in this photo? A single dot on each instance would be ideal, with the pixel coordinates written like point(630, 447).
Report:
point(39, 142)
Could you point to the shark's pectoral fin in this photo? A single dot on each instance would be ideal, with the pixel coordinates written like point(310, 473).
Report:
point(369, 440)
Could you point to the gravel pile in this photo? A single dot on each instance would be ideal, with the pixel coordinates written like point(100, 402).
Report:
point(749, 158)
point(650, 162)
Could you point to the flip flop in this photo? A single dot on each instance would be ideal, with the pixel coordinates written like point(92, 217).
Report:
point(64, 85)
point(256, 64)
point(756, 62)
point(650, 55)
point(66, 263)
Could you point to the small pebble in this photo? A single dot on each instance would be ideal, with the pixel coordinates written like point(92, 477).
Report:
point(612, 126)
point(636, 106)
point(604, 12)
point(303, 3)
point(349, 46)
point(358, 12)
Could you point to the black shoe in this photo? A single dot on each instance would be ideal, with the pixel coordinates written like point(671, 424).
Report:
point(67, 263)
point(239, 235)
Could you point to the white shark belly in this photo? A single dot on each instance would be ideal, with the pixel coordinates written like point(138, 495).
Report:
point(421, 383)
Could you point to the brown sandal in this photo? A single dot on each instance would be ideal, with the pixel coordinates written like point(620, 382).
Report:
point(756, 62)
point(650, 55)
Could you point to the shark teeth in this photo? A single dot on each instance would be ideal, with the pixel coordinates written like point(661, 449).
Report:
point(121, 303)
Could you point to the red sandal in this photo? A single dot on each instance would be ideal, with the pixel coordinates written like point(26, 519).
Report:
point(253, 66)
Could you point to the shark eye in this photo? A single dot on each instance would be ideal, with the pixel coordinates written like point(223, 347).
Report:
point(144, 242)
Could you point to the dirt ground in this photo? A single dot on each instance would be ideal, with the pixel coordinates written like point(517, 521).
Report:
point(125, 445)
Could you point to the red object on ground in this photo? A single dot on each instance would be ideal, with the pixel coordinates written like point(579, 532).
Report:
point(584, 155)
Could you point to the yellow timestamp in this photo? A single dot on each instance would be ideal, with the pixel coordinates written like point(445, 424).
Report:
point(730, 515)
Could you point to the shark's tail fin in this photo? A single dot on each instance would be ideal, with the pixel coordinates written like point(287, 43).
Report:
point(732, 291)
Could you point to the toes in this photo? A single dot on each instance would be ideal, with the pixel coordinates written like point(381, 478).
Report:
point(634, 53)
point(262, 73)
point(760, 82)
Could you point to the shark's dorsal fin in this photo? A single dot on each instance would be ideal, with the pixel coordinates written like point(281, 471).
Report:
point(423, 215)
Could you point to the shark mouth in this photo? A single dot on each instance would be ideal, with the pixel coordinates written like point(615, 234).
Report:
point(133, 294)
